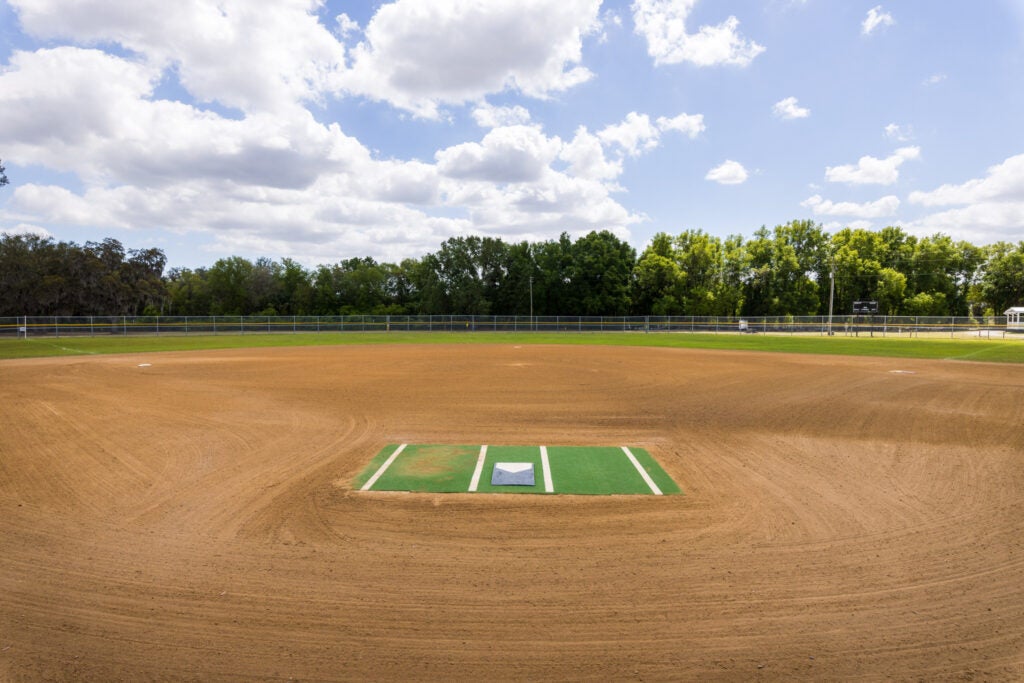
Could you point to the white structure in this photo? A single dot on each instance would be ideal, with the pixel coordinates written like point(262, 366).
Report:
point(1013, 318)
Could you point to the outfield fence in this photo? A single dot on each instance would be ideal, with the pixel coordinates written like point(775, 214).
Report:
point(865, 325)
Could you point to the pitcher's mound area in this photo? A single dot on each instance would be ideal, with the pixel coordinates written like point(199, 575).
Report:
point(565, 469)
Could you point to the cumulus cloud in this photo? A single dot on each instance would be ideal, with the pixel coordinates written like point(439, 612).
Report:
point(586, 158)
point(886, 206)
point(789, 109)
point(987, 209)
point(1002, 182)
point(345, 25)
point(728, 173)
point(690, 125)
point(410, 59)
point(251, 56)
point(662, 23)
point(512, 154)
point(92, 114)
point(871, 171)
point(935, 79)
point(277, 182)
point(488, 116)
point(636, 133)
point(875, 20)
point(28, 229)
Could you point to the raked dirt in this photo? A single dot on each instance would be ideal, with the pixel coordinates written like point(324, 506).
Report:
point(190, 516)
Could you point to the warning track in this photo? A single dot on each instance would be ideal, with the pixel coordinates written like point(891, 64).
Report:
point(195, 519)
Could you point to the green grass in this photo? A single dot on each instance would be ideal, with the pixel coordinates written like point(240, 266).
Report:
point(575, 470)
point(511, 454)
point(1010, 350)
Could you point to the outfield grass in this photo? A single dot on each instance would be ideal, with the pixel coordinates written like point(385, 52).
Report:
point(998, 351)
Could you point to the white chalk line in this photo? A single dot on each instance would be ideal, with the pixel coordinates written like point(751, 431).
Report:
point(546, 467)
point(643, 473)
point(479, 469)
point(387, 463)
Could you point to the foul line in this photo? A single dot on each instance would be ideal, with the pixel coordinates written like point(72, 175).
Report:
point(546, 466)
point(387, 463)
point(643, 473)
point(479, 468)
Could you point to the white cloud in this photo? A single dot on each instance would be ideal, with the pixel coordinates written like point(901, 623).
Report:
point(886, 206)
point(276, 182)
point(28, 229)
point(899, 133)
point(934, 79)
point(988, 209)
point(421, 55)
point(636, 134)
point(346, 25)
point(91, 113)
point(662, 23)
point(876, 19)
point(728, 173)
point(488, 116)
point(790, 109)
point(872, 171)
point(1003, 182)
point(690, 125)
point(836, 226)
point(252, 56)
point(586, 158)
point(513, 154)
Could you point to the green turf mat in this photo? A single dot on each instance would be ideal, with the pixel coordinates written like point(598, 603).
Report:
point(584, 470)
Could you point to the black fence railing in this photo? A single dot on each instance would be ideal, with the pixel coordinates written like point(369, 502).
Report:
point(863, 325)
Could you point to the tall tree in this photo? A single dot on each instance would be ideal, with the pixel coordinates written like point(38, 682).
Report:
point(601, 274)
point(1002, 284)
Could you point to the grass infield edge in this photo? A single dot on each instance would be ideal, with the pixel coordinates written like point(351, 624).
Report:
point(979, 350)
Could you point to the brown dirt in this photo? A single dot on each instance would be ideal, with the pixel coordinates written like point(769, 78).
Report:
point(194, 520)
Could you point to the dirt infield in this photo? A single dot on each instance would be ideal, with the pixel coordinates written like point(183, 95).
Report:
point(195, 520)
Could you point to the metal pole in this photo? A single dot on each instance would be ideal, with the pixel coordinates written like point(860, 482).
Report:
point(831, 294)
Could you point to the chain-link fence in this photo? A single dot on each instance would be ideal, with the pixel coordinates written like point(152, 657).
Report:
point(864, 325)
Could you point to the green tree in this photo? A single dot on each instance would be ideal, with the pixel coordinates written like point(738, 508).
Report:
point(228, 282)
point(601, 275)
point(1002, 284)
point(783, 271)
point(658, 279)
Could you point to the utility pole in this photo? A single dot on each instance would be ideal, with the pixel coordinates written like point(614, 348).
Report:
point(831, 292)
point(531, 302)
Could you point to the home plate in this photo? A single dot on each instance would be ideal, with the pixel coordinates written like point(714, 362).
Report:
point(512, 474)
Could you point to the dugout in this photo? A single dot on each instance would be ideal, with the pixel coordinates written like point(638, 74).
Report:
point(1013, 319)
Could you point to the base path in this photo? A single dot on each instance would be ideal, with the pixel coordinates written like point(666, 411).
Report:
point(194, 519)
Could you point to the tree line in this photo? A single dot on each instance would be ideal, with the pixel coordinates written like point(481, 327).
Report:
point(787, 270)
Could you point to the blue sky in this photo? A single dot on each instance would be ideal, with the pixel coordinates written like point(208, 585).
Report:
point(326, 130)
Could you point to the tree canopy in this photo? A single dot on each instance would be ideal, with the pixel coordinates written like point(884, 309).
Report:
point(786, 270)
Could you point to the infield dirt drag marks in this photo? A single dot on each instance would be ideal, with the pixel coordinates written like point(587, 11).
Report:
point(192, 519)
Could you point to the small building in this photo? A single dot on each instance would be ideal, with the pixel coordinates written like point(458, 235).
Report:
point(1013, 318)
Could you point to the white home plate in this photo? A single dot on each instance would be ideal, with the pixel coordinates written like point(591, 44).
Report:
point(512, 474)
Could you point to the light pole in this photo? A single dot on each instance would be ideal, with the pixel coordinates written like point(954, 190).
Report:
point(831, 292)
point(531, 302)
